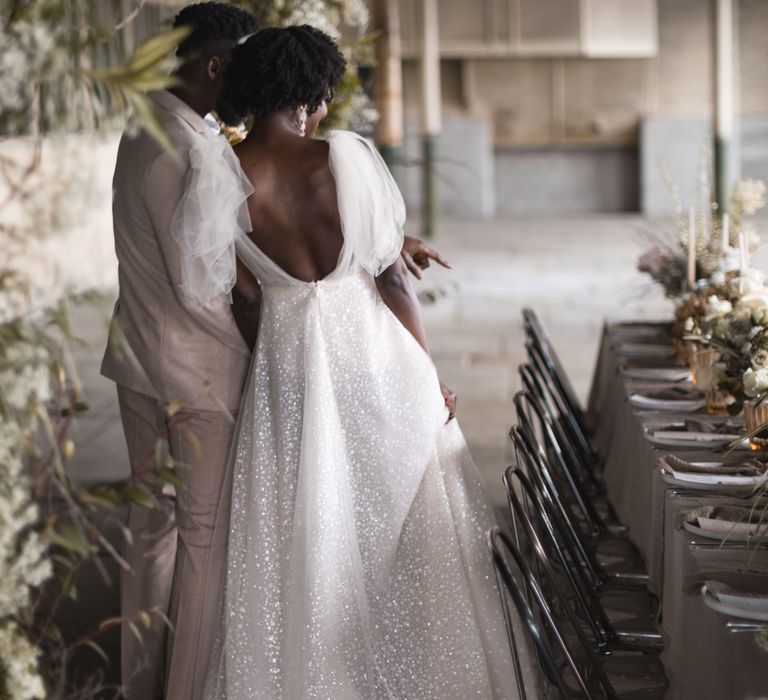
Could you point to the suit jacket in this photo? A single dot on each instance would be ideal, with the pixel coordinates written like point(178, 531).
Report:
point(160, 344)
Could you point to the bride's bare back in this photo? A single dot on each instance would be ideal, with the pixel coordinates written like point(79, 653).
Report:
point(294, 210)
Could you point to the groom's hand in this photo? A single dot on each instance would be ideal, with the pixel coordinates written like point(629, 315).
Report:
point(417, 254)
point(246, 304)
point(450, 401)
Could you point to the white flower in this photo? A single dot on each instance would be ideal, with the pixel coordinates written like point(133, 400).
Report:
point(755, 381)
point(689, 325)
point(748, 195)
point(717, 308)
point(18, 660)
point(356, 14)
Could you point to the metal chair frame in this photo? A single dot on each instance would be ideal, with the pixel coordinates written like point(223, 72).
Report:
point(536, 331)
point(558, 446)
point(508, 586)
point(571, 537)
point(538, 521)
point(541, 532)
point(572, 423)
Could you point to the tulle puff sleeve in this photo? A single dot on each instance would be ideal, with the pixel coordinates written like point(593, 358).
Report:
point(370, 204)
point(211, 216)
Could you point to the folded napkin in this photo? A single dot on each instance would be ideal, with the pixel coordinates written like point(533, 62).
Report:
point(640, 334)
point(749, 468)
point(712, 427)
point(644, 350)
point(619, 322)
point(730, 520)
point(673, 393)
point(692, 436)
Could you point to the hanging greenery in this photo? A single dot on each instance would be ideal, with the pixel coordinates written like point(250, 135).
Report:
point(59, 85)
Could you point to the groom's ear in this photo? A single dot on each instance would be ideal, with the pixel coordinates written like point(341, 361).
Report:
point(214, 66)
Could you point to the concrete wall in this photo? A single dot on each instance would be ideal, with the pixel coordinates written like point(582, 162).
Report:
point(464, 168)
point(539, 181)
point(557, 118)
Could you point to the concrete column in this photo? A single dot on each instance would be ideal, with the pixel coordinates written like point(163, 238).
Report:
point(725, 41)
point(431, 109)
point(388, 79)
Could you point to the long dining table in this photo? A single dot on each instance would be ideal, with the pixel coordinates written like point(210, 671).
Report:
point(708, 653)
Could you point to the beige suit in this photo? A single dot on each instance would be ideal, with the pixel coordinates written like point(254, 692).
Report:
point(161, 350)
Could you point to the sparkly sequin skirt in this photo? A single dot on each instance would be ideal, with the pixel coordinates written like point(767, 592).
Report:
point(357, 566)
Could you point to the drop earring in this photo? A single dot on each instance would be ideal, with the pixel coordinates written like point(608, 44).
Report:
point(302, 120)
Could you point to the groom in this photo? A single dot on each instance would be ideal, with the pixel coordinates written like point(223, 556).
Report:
point(179, 372)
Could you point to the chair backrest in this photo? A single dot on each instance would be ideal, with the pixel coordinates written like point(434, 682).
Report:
point(531, 405)
point(534, 460)
point(503, 550)
point(537, 334)
point(573, 422)
point(534, 518)
point(579, 455)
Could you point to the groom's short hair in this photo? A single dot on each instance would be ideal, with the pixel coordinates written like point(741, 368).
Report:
point(215, 26)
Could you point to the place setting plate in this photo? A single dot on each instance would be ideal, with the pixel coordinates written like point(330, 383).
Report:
point(672, 375)
point(649, 402)
point(735, 603)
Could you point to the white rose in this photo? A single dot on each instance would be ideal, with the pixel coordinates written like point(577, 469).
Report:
point(717, 308)
point(757, 304)
point(755, 382)
point(751, 282)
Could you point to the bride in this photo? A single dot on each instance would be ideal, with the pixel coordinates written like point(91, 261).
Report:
point(357, 567)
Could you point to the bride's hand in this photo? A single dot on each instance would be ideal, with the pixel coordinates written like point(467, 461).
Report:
point(450, 401)
point(417, 255)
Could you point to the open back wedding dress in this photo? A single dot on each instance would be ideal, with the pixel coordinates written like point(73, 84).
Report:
point(357, 565)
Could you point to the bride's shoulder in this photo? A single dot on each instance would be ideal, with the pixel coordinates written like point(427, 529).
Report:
point(343, 137)
point(353, 148)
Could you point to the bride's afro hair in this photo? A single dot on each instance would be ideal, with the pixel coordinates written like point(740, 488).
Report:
point(214, 25)
point(279, 67)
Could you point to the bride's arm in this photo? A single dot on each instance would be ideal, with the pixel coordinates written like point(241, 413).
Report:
point(397, 292)
point(246, 304)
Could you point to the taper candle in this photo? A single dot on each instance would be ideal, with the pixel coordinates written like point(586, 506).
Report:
point(692, 248)
point(743, 262)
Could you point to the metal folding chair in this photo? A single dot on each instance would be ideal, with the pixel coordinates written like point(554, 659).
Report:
point(568, 662)
point(499, 541)
point(536, 521)
point(535, 331)
point(583, 552)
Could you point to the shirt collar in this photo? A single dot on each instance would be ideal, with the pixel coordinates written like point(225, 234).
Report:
point(169, 102)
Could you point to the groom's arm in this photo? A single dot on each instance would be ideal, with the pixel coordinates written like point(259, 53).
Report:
point(162, 191)
point(246, 305)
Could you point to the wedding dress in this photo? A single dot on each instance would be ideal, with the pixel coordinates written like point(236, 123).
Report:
point(357, 564)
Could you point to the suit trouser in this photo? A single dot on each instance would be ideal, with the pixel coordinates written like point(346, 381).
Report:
point(178, 556)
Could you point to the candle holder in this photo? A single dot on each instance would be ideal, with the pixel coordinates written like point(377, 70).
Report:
point(698, 359)
point(707, 366)
point(690, 348)
point(755, 415)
